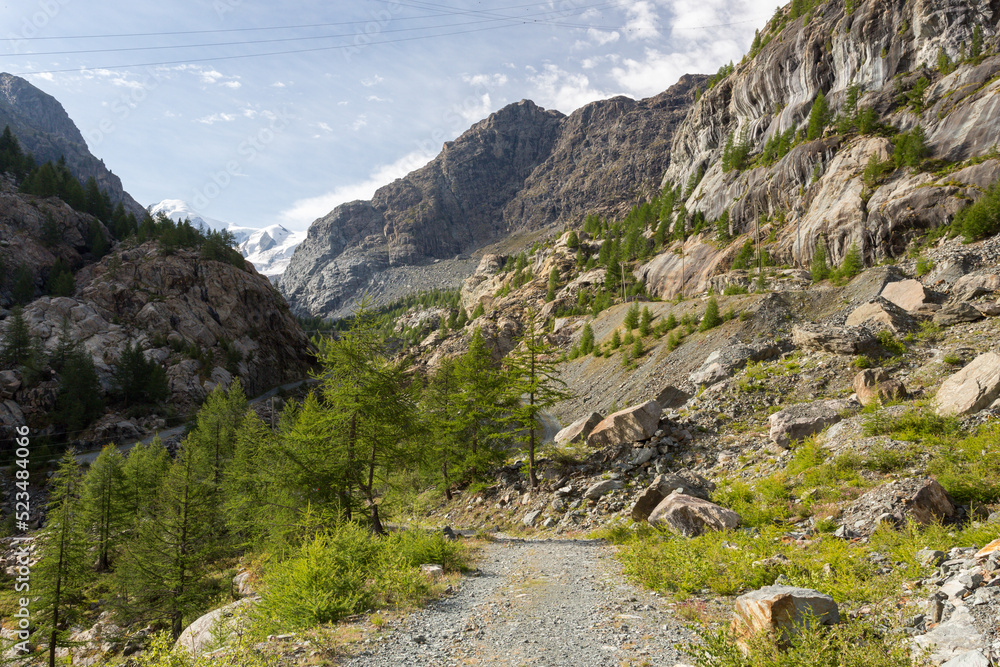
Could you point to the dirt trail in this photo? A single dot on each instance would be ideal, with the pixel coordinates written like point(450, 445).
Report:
point(547, 602)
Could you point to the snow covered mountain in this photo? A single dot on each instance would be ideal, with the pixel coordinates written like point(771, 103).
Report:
point(268, 249)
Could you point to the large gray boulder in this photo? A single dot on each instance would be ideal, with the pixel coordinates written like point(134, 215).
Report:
point(690, 516)
point(957, 313)
point(662, 486)
point(578, 430)
point(918, 499)
point(953, 639)
point(969, 287)
point(835, 340)
point(216, 626)
point(781, 611)
point(804, 419)
point(971, 389)
point(636, 423)
point(874, 385)
point(909, 295)
point(880, 313)
point(598, 489)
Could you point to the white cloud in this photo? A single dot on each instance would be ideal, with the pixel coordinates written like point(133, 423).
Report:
point(563, 90)
point(643, 20)
point(278, 84)
point(602, 37)
point(324, 127)
point(304, 211)
point(231, 84)
point(210, 76)
point(217, 118)
point(376, 98)
point(359, 122)
point(485, 80)
point(372, 81)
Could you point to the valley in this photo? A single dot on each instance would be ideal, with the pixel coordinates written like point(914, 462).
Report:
point(706, 378)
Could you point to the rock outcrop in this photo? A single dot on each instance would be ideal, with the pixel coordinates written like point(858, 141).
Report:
point(523, 167)
point(44, 129)
point(972, 388)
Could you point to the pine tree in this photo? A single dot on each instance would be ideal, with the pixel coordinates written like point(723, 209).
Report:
point(250, 489)
point(483, 403)
point(143, 471)
point(533, 370)
point(632, 316)
point(217, 423)
point(976, 48)
point(819, 267)
point(553, 284)
point(442, 406)
point(23, 290)
point(645, 320)
point(15, 346)
point(711, 319)
point(103, 503)
point(61, 574)
point(137, 380)
point(818, 117)
point(853, 264)
point(587, 339)
point(164, 567)
point(79, 401)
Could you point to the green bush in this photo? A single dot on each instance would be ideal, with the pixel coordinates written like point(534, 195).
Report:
point(924, 266)
point(711, 319)
point(910, 148)
point(981, 219)
point(892, 345)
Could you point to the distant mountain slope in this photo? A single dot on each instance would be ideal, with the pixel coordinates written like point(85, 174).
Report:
point(44, 129)
point(521, 168)
point(269, 249)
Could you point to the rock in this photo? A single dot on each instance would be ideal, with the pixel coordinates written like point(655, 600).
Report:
point(10, 382)
point(973, 658)
point(643, 455)
point(531, 517)
point(723, 362)
point(991, 548)
point(781, 610)
point(971, 389)
point(930, 557)
point(432, 570)
point(632, 424)
point(663, 485)
point(834, 340)
point(987, 308)
point(804, 419)
point(243, 585)
point(969, 287)
point(598, 489)
point(956, 313)
point(874, 385)
point(549, 523)
point(952, 639)
point(215, 627)
point(671, 397)
point(918, 499)
point(909, 295)
point(881, 313)
point(578, 430)
point(690, 516)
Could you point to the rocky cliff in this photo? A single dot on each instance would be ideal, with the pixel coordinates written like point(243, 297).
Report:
point(522, 168)
point(892, 51)
point(45, 130)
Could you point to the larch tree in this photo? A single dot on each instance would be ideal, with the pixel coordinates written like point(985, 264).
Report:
point(103, 500)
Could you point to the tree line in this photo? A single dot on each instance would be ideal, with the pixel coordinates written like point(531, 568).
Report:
point(146, 529)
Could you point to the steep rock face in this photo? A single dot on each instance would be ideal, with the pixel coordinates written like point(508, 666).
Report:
point(45, 130)
point(169, 302)
point(521, 168)
point(818, 189)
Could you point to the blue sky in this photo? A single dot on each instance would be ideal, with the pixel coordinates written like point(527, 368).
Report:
point(352, 94)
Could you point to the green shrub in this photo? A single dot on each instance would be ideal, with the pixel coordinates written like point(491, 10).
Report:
point(711, 319)
point(862, 361)
point(892, 345)
point(819, 267)
point(734, 289)
point(910, 148)
point(981, 219)
point(953, 359)
point(924, 266)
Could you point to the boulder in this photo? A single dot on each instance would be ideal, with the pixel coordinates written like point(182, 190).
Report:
point(215, 627)
point(834, 340)
point(671, 397)
point(781, 611)
point(957, 313)
point(638, 422)
point(971, 389)
point(991, 548)
point(922, 500)
point(690, 516)
point(799, 421)
point(578, 430)
point(954, 638)
point(874, 385)
point(969, 287)
point(663, 485)
point(881, 313)
point(987, 308)
point(909, 295)
point(243, 585)
point(598, 489)
point(531, 518)
point(722, 363)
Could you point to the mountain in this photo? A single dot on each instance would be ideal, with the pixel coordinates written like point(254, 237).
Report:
point(522, 168)
point(45, 130)
point(268, 249)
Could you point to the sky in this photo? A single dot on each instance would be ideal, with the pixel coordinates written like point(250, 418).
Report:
point(257, 112)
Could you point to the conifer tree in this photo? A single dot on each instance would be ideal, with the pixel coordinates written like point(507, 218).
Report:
point(645, 320)
point(818, 117)
point(61, 573)
point(632, 316)
point(553, 284)
point(15, 346)
point(249, 484)
point(164, 566)
point(711, 319)
point(819, 267)
point(217, 423)
point(587, 339)
point(143, 472)
point(442, 403)
point(483, 403)
point(534, 380)
point(137, 380)
point(103, 503)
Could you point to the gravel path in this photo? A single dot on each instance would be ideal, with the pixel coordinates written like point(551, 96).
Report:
point(547, 602)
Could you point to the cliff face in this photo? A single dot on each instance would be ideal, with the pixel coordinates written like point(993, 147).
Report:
point(817, 191)
point(522, 168)
point(45, 130)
